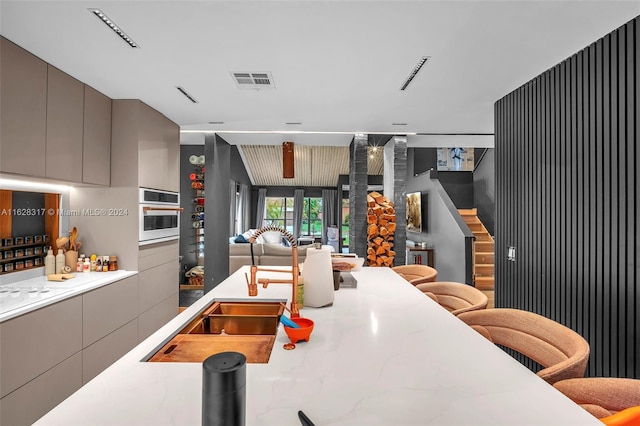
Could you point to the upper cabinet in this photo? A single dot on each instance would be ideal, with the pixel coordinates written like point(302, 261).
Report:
point(53, 125)
point(159, 151)
point(23, 110)
point(96, 154)
point(65, 115)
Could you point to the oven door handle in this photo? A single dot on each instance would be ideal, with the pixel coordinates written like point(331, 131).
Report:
point(172, 209)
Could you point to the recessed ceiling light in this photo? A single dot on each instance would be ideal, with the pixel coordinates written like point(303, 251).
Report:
point(115, 28)
point(414, 72)
point(398, 124)
point(294, 123)
point(186, 94)
point(216, 122)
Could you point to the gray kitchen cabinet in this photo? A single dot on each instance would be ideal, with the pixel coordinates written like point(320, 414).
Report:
point(151, 320)
point(65, 111)
point(159, 151)
point(108, 308)
point(101, 354)
point(157, 286)
point(96, 153)
point(33, 400)
point(23, 111)
point(37, 341)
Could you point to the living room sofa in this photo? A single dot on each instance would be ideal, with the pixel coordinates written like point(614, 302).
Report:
point(264, 254)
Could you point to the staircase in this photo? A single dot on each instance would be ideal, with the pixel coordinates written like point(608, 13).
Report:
point(483, 252)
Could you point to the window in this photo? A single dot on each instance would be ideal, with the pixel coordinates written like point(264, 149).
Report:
point(312, 217)
point(279, 212)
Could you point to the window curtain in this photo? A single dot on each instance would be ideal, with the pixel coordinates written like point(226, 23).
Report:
point(329, 211)
point(298, 205)
point(244, 215)
point(262, 203)
point(232, 208)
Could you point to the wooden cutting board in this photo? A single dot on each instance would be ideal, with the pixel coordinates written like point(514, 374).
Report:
point(198, 347)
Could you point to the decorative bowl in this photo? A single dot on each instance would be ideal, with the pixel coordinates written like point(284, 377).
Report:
point(302, 333)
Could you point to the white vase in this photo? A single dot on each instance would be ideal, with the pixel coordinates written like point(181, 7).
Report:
point(318, 278)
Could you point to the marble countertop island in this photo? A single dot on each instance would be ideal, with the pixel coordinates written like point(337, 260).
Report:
point(383, 354)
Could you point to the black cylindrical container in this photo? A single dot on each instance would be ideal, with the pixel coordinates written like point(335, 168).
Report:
point(224, 378)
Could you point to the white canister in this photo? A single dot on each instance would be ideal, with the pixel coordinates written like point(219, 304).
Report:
point(318, 277)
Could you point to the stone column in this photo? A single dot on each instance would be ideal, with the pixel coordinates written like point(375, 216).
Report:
point(358, 195)
point(395, 189)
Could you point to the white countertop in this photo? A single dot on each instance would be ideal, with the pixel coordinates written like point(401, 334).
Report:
point(21, 297)
point(383, 354)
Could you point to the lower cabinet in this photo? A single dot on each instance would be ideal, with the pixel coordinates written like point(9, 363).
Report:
point(33, 400)
point(106, 351)
point(48, 354)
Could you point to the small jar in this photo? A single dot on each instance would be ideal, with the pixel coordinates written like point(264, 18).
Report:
point(8, 267)
point(113, 263)
point(37, 261)
point(105, 263)
point(28, 263)
point(28, 240)
point(7, 255)
point(37, 250)
point(18, 240)
point(28, 251)
point(37, 238)
point(19, 266)
point(18, 253)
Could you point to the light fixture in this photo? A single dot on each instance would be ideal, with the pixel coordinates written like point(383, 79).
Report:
point(18, 185)
point(216, 122)
point(186, 94)
point(415, 71)
point(291, 132)
point(115, 28)
point(287, 160)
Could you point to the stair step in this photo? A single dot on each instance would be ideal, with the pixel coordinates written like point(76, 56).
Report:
point(484, 283)
point(485, 258)
point(485, 246)
point(485, 270)
point(483, 237)
point(468, 212)
point(476, 227)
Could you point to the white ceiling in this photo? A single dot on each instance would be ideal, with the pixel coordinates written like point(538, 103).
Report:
point(337, 65)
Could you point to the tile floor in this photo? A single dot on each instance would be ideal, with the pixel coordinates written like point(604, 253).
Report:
point(188, 297)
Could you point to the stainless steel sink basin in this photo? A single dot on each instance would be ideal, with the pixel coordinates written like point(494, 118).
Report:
point(246, 327)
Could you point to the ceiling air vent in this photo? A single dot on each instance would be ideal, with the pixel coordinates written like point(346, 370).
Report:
point(253, 80)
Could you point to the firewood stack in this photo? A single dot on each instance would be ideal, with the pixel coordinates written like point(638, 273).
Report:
point(381, 227)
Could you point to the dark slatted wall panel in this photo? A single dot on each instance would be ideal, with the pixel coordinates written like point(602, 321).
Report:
point(567, 160)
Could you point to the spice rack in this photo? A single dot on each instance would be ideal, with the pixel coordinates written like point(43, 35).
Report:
point(24, 255)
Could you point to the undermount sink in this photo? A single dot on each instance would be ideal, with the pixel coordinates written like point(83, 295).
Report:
point(246, 327)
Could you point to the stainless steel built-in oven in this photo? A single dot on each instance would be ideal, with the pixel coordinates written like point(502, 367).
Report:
point(159, 216)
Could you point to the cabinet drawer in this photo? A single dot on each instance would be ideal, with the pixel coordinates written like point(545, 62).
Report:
point(33, 343)
point(108, 350)
point(35, 399)
point(108, 308)
point(156, 284)
point(150, 321)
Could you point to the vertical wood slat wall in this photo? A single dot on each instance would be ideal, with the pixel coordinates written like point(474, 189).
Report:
point(567, 161)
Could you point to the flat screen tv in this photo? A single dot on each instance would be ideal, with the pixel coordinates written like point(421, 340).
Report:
point(414, 212)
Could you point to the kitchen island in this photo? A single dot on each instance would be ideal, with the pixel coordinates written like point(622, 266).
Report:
point(382, 354)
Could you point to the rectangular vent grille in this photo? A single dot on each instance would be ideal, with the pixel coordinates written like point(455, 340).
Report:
point(253, 80)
